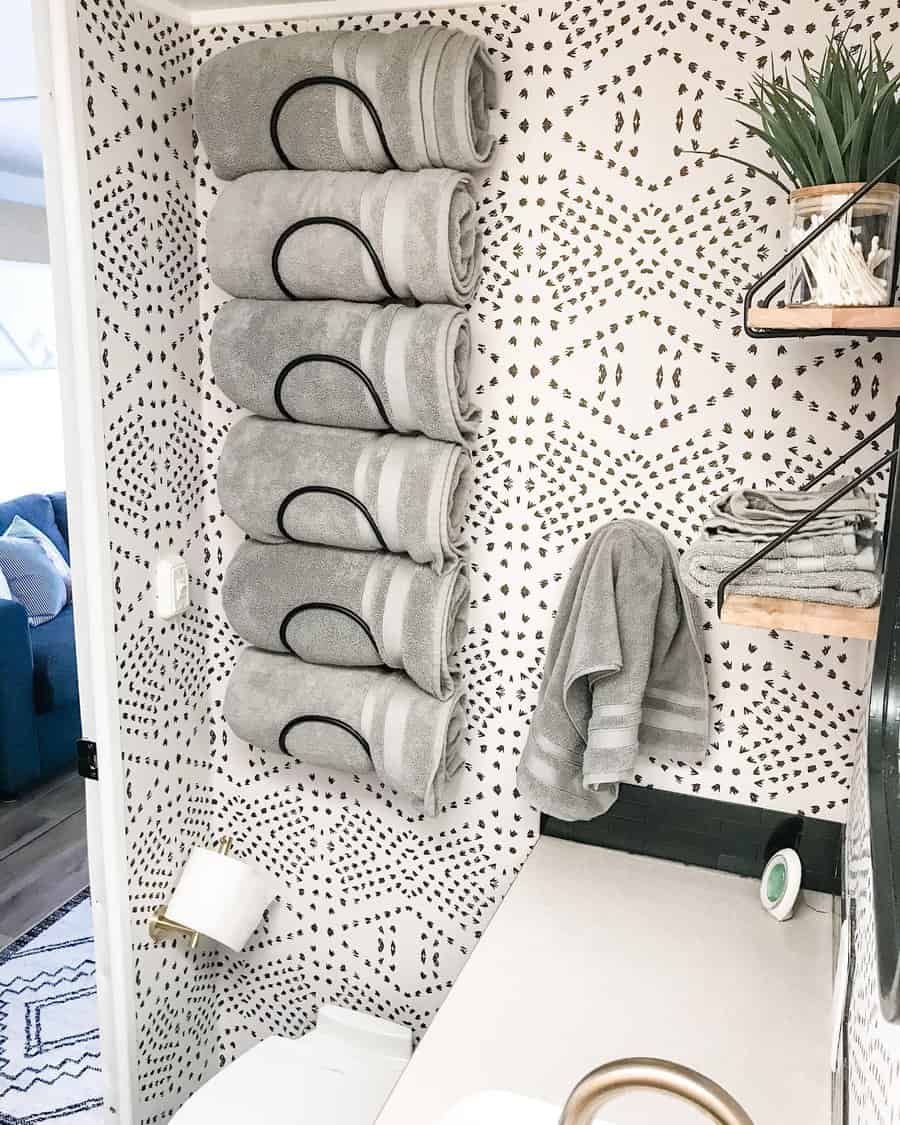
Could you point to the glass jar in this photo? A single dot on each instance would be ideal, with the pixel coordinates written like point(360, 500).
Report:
point(852, 263)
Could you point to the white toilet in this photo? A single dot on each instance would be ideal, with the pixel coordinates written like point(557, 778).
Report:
point(339, 1074)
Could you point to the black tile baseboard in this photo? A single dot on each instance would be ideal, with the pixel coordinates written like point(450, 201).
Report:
point(706, 833)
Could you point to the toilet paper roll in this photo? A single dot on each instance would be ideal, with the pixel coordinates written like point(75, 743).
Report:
point(221, 897)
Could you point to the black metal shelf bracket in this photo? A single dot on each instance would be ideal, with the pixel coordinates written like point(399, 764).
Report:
point(331, 607)
point(882, 762)
point(888, 458)
point(339, 361)
point(333, 221)
point(772, 273)
point(326, 80)
point(326, 490)
point(328, 720)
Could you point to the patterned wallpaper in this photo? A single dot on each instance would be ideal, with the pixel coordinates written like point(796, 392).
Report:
point(614, 380)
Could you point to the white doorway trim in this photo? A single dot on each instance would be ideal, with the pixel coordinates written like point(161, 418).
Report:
point(64, 141)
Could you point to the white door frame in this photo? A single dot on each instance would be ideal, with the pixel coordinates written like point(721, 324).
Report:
point(64, 139)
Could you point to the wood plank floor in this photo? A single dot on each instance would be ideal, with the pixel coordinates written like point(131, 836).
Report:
point(43, 854)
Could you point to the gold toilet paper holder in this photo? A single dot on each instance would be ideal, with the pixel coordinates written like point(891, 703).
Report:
point(160, 927)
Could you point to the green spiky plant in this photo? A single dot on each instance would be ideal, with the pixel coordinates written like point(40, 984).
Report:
point(838, 123)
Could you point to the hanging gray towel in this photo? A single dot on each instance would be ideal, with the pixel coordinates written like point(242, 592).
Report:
point(421, 229)
point(332, 363)
point(431, 87)
point(350, 608)
point(346, 488)
point(356, 720)
point(624, 674)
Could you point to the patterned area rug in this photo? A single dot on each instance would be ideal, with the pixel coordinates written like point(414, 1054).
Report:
point(49, 1042)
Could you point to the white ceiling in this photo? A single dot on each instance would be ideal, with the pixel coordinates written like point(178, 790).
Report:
point(21, 167)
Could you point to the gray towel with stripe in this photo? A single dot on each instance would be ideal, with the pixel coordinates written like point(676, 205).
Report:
point(839, 579)
point(624, 675)
point(333, 363)
point(350, 608)
point(769, 512)
point(421, 228)
point(432, 88)
point(374, 721)
point(346, 488)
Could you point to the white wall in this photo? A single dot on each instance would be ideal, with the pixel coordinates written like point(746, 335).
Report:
point(31, 435)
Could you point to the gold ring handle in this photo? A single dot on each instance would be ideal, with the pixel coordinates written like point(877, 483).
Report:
point(597, 1087)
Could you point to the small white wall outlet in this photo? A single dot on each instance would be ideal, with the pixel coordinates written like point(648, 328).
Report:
point(173, 586)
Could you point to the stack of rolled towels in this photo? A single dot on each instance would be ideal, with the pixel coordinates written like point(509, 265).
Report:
point(348, 344)
point(834, 559)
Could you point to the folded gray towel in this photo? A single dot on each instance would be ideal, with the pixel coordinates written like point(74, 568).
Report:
point(839, 579)
point(421, 227)
point(305, 360)
point(770, 512)
point(374, 720)
point(350, 608)
point(280, 480)
point(624, 673)
point(432, 88)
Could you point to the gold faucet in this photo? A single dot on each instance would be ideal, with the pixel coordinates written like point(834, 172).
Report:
point(597, 1087)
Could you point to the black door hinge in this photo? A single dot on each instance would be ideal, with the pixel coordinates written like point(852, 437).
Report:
point(87, 759)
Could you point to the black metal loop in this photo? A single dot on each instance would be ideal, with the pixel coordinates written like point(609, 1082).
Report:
point(326, 80)
point(334, 221)
point(327, 719)
point(321, 357)
point(343, 610)
point(326, 490)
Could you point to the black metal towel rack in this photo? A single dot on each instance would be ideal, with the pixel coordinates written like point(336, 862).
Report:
point(330, 220)
point(331, 607)
point(888, 458)
point(326, 490)
point(339, 361)
point(326, 80)
point(328, 720)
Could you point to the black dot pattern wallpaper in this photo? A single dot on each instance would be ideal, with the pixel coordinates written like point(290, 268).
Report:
point(614, 380)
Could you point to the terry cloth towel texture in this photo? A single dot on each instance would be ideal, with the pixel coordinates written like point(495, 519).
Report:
point(412, 619)
point(769, 513)
point(297, 360)
point(411, 492)
point(834, 560)
point(624, 674)
point(381, 721)
point(421, 227)
point(432, 88)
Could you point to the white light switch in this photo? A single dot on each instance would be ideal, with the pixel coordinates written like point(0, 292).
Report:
point(173, 586)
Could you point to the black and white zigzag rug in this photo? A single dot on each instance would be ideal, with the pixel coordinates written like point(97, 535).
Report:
point(49, 1042)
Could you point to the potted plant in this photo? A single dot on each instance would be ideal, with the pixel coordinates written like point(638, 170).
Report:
point(831, 130)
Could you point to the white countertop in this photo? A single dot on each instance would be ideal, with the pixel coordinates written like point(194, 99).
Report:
point(596, 955)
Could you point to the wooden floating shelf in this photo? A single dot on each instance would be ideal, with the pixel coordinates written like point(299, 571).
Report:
point(800, 617)
point(812, 318)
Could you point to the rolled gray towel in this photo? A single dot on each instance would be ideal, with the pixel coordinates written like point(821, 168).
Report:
point(432, 88)
point(305, 360)
point(350, 608)
point(400, 494)
point(421, 227)
point(374, 720)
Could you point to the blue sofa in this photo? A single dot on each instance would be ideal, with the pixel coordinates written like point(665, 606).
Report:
point(40, 719)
